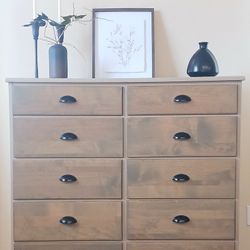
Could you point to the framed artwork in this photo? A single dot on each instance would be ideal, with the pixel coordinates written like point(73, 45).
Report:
point(123, 43)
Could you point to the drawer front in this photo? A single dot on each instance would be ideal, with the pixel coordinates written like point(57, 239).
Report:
point(172, 178)
point(41, 137)
point(209, 136)
point(40, 220)
point(45, 100)
point(54, 178)
point(182, 245)
point(209, 219)
point(68, 246)
point(203, 99)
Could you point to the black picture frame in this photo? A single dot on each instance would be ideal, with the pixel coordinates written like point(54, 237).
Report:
point(146, 66)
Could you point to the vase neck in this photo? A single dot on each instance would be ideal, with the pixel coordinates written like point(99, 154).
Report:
point(203, 45)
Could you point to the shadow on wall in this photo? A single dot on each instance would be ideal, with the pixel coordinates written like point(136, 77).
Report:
point(164, 61)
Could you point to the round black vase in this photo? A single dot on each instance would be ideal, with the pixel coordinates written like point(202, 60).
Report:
point(203, 62)
point(58, 61)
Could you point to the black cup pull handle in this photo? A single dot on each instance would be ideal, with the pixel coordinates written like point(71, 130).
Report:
point(182, 99)
point(181, 178)
point(68, 178)
point(181, 219)
point(68, 220)
point(67, 99)
point(68, 137)
point(182, 136)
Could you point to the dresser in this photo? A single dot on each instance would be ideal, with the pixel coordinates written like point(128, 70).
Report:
point(132, 164)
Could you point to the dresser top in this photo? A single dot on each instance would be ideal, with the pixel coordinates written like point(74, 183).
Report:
point(127, 80)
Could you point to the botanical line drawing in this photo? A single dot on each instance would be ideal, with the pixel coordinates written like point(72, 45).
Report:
point(123, 44)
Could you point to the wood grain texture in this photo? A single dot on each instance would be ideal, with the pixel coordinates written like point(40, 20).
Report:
point(209, 178)
point(68, 246)
point(209, 219)
point(182, 245)
point(140, 217)
point(40, 137)
point(44, 100)
point(210, 136)
point(206, 99)
point(39, 178)
point(39, 220)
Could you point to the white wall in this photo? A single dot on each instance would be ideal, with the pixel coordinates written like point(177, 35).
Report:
point(179, 26)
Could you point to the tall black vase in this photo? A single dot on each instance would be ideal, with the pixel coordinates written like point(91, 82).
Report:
point(58, 61)
point(203, 62)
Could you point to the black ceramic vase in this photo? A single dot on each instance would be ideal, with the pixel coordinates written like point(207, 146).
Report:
point(203, 62)
point(58, 61)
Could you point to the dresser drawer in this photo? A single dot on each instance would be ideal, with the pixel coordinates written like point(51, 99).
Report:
point(40, 220)
point(68, 246)
point(199, 178)
point(55, 100)
point(182, 245)
point(41, 137)
point(163, 136)
point(182, 99)
point(67, 178)
point(209, 219)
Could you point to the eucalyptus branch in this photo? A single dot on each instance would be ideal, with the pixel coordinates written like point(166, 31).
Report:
point(54, 32)
point(65, 28)
point(77, 50)
point(47, 37)
point(59, 28)
point(47, 40)
point(85, 21)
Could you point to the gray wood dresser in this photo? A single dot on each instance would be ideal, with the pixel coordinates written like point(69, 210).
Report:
point(132, 164)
